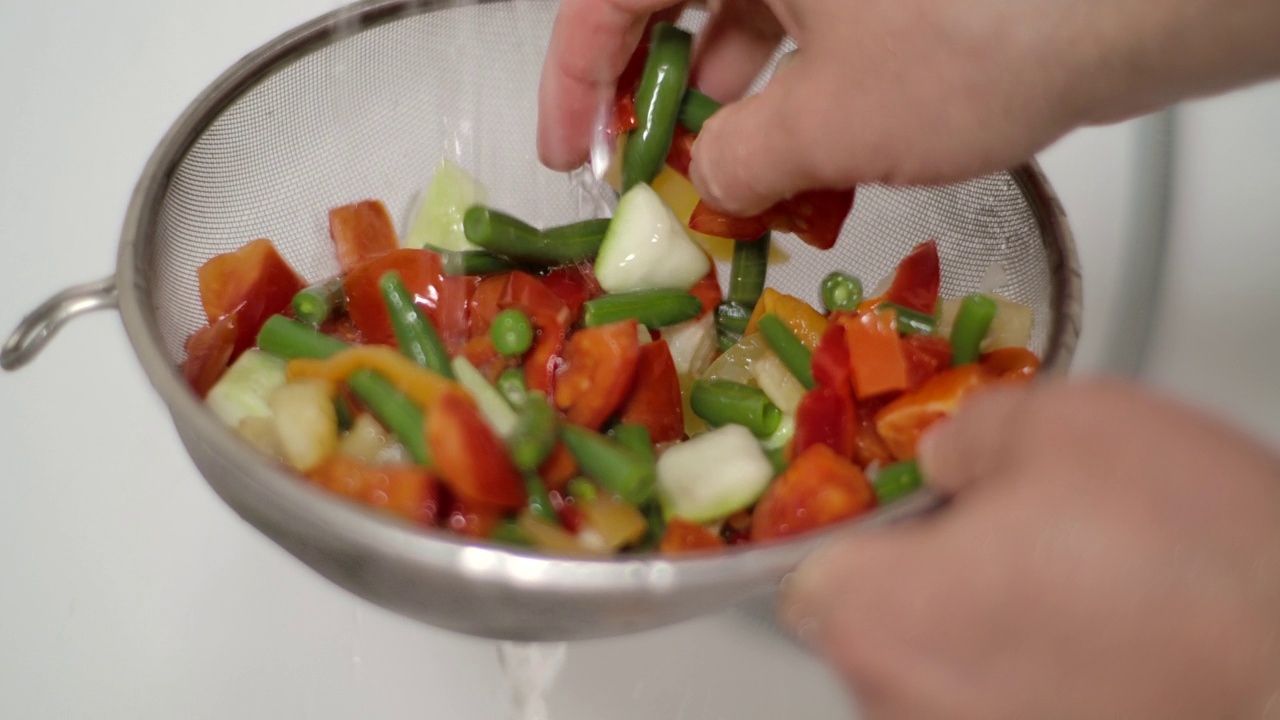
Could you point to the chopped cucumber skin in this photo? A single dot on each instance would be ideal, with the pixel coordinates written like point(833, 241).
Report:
point(243, 389)
point(493, 406)
point(438, 222)
point(646, 247)
point(713, 475)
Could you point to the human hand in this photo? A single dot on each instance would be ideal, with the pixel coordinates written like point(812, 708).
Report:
point(1106, 555)
point(903, 91)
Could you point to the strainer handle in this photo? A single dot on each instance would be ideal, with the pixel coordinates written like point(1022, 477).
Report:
point(41, 324)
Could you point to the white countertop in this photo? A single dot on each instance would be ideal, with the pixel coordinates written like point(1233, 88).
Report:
point(131, 591)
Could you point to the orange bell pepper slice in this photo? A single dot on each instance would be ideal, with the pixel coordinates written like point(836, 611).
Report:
point(807, 323)
point(682, 536)
point(875, 355)
point(903, 421)
point(405, 490)
point(424, 387)
point(361, 232)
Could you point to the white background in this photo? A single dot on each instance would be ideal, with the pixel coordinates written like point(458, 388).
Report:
point(127, 590)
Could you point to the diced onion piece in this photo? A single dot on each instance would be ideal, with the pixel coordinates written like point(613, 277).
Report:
point(551, 537)
point(365, 441)
point(261, 433)
point(306, 422)
point(616, 523)
point(778, 383)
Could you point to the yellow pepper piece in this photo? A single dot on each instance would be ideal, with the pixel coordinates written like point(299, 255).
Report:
point(807, 324)
point(424, 387)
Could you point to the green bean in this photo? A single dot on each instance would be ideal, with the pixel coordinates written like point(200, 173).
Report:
point(778, 459)
point(290, 339)
point(696, 109)
point(721, 402)
point(662, 89)
point(635, 438)
point(508, 532)
point(788, 348)
point(731, 322)
point(513, 238)
point(651, 308)
point(746, 273)
point(581, 489)
point(910, 322)
point(346, 415)
point(897, 480)
point(474, 262)
point(617, 469)
point(539, 499)
point(841, 291)
point(415, 333)
point(973, 319)
point(535, 435)
point(511, 332)
point(512, 386)
point(315, 304)
point(657, 521)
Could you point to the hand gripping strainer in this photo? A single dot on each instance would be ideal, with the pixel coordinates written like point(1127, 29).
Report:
point(363, 103)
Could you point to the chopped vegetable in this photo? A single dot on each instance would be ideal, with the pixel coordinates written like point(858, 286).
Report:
point(473, 262)
point(875, 355)
point(658, 98)
point(748, 269)
point(841, 291)
point(599, 370)
point(818, 489)
point(682, 536)
point(305, 422)
point(511, 386)
point(909, 322)
point(314, 305)
point(253, 282)
point(646, 247)
point(713, 475)
point(655, 403)
point(789, 350)
point(1012, 363)
point(438, 223)
point(723, 402)
point(696, 109)
point(540, 500)
point(611, 525)
point(972, 320)
point(361, 232)
point(826, 416)
point(415, 333)
point(534, 436)
point(470, 458)
point(615, 467)
point(513, 238)
point(209, 351)
point(420, 273)
point(801, 319)
point(652, 308)
point(493, 406)
point(916, 282)
point(512, 333)
point(782, 387)
point(903, 421)
point(404, 490)
point(243, 390)
point(897, 481)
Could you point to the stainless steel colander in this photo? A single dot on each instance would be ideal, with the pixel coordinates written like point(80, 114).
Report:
point(363, 103)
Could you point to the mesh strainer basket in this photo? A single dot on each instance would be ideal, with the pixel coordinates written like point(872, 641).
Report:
point(363, 103)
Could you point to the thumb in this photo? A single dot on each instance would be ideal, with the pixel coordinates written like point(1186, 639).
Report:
point(976, 442)
point(755, 152)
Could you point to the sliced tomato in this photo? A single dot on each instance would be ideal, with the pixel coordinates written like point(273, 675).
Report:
point(1012, 363)
point(916, 282)
point(655, 400)
point(816, 216)
point(600, 365)
point(903, 421)
point(574, 285)
point(470, 458)
point(830, 363)
point(253, 282)
point(710, 221)
point(818, 489)
point(209, 352)
point(406, 490)
point(926, 356)
point(707, 290)
point(682, 536)
point(559, 468)
point(826, 416)
point(875, 355)
point(422, 274)
point(361, 232)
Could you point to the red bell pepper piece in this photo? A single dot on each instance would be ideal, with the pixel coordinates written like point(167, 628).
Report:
point(830, 363)
point(600, 365)
point(682, 536)
point(818, 489)
point(481, 352)
point(681, 153)
point(903, 421)
point(570, 516)
point(655, 400)
point(451, 314)
point(209, 352)
point(875, 355)
point(486, 303)
point(405, 490)
point(559, 468)
point(422, 274)
point(574, 285)
point(471, 518)
point(825, 416)
point(926, 356)
point(710, 221)
point(916, 282)
point(707, 290)
point(624, 109)
point(550, 317)
point(1012, 363)
point(816, 217)
point(361, 232)
point(470, 458)
point(253, 282)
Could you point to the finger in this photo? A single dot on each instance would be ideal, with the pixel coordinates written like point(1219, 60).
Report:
point(764, 148)
point(591, 42)
point(976, 442)
point(737, 41)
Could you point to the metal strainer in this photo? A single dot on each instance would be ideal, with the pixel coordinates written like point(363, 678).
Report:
point(363, 103)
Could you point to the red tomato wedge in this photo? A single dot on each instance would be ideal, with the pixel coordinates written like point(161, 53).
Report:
point(1012, 363)
point(830, 363)
point(818, 489)
point(405, 490)
point(361, 232)
point(707, 290)
point(253, 282)
point(600, 365)
point(875, 355)
point(926, 356)
point(682, 536)
point(826, 416)
point(916, 282)
point(209, 353)
point(655, 400)
point(903, 421)
point(422, 275)
point(472, 460)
